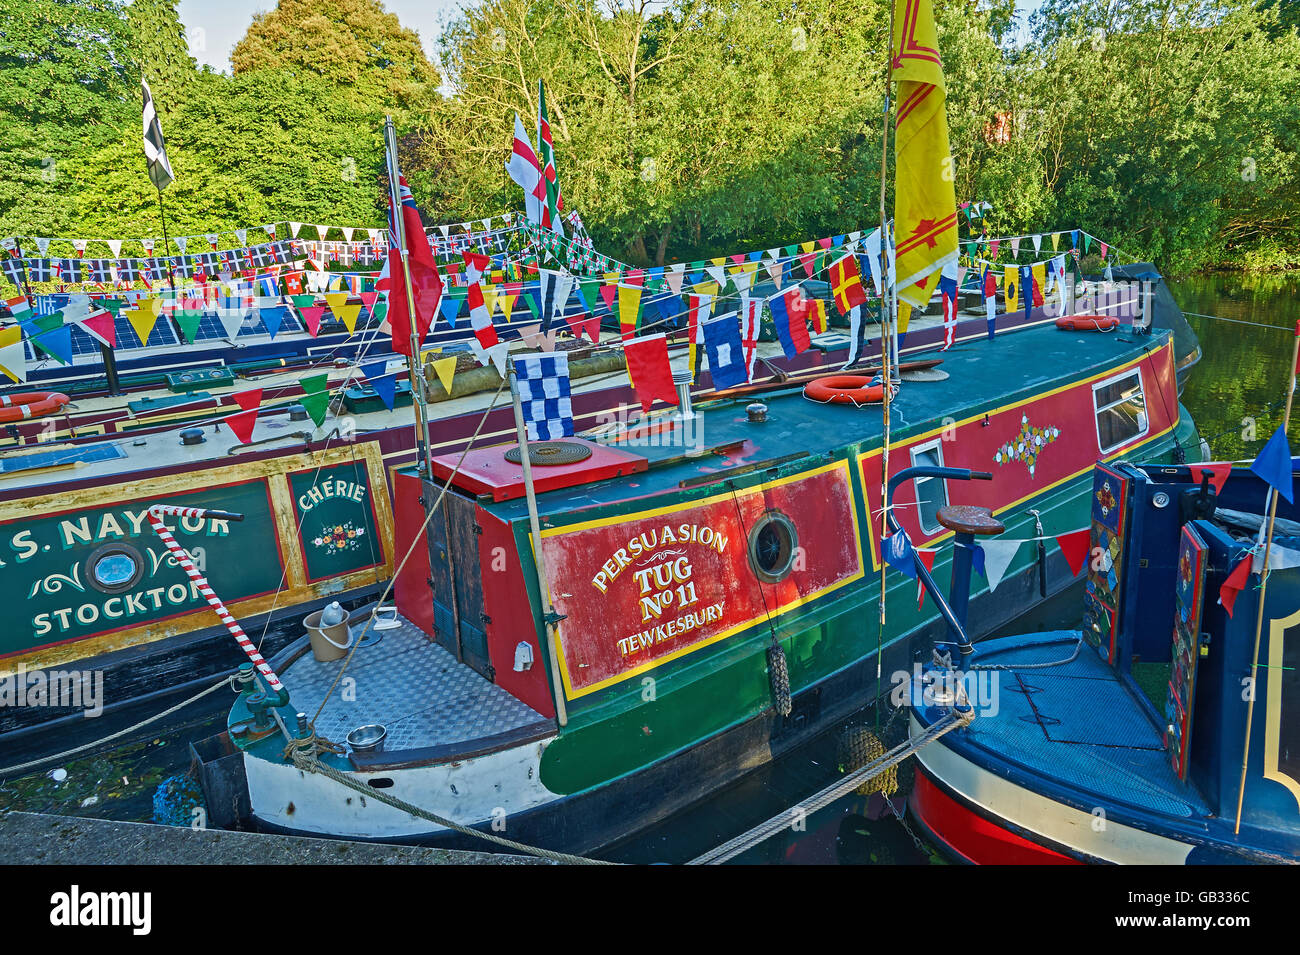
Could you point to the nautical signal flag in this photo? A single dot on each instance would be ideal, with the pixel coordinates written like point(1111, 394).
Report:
point(990, 284)
point(544, 398)
point(726, 355)
point(790, 315)
point(649, 370)
point(426, 283)
point(751, 310)
point(554, 289)
point(383, 384)
point(948, 294)
point(925, 205)
point(698, 309)
point(846, 283)
point(629, 302)
point(1273, 465)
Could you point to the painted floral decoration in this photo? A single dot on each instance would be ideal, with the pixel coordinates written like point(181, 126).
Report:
point(340, 537)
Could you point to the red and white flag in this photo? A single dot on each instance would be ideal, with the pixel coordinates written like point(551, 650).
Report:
point(526, 172)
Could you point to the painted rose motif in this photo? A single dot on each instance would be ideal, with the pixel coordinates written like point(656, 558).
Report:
point(340, 537)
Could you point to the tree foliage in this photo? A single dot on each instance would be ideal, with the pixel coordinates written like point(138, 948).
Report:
point(683, 129)
point(361, 50)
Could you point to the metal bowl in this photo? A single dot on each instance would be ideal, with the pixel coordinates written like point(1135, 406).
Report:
point(368, 738)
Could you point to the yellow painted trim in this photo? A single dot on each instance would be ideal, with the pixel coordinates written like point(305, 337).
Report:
point(1277, 629)
point(296, 590)
point(842, 466)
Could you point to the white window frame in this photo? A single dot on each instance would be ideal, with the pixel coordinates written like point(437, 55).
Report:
point(935, 445)
point(1098, 409)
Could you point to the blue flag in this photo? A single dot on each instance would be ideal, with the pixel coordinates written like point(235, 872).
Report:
point(450, 308)
point(726, 353)
point(977, 561)
point(385, 386)
point(273, 318)
point(900, 555)
point(1274, 465)
point(1027, 290)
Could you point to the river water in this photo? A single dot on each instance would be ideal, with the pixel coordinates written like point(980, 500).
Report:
point(1235, 396)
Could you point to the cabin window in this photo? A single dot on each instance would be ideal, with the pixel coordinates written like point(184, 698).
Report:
point(1121, 410)
point(773, 546)
point(931, 492)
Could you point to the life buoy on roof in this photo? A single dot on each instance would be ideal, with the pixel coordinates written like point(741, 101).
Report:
point(845, 390)
point(1088, 323)
point(30, 404)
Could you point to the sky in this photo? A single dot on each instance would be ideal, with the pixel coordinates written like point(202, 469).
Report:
point(215, 26)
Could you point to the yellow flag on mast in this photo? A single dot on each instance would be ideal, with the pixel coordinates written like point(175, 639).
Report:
point(925, 202)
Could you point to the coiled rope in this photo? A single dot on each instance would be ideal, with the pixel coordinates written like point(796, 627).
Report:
point(840, 788)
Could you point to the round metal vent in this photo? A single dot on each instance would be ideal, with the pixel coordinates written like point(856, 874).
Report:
point(545, 453)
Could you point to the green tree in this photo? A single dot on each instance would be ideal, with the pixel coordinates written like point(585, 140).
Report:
point(358, 47)
point(161, 51)
point(64, 79)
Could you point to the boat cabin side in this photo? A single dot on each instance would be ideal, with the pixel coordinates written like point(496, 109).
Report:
point(1170, 580)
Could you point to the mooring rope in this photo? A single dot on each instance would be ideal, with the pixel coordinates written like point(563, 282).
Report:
point(6, 771)
point(309, 763)
point(840, 788)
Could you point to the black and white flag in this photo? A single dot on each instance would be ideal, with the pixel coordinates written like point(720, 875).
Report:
point(155, 151)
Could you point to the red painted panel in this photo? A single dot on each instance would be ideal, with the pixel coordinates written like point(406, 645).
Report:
point(411, 589)
point(510, 615)
point(1029, 447)
point(486, 470)
point(643, 588)
point(973, 837)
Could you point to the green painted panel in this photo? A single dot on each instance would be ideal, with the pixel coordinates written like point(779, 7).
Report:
point(95, 570)
point(336, 519)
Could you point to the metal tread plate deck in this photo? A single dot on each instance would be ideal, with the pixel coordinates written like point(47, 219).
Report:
point(410, 685)
point(1077, 725)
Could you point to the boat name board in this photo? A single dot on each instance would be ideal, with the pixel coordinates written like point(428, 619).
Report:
point(639, 590)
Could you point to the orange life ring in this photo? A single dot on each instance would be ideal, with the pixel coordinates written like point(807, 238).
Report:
point(30, 404)
point(844, 390)
point(1088, 323)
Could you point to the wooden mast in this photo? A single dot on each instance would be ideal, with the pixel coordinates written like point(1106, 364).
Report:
point(1263, 591)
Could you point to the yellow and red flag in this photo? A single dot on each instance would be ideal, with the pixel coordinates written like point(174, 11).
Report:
point(925, 204)
point(846, 283)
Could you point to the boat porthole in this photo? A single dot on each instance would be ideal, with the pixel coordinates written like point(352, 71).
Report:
point(383, 782)
point(773, 543)
point(114, 568)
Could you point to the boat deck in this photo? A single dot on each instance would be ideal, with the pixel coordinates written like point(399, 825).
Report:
point(417, 690)
point(1078, 725)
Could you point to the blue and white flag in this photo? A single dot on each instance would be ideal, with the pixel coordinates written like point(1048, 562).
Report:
point(726, 353)
point(543, 382)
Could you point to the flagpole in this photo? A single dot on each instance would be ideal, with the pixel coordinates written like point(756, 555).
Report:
point(162, 214)
point(423, 452)
point(1263, 590)
point(549, 617)
point(886, 333)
